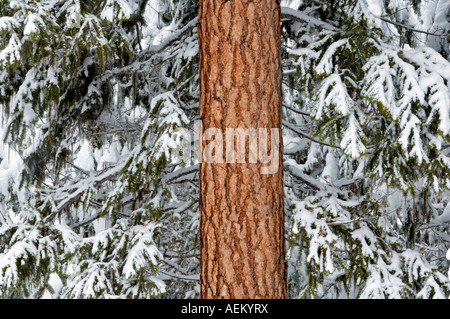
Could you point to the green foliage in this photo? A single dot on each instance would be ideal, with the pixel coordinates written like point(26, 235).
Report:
point(380, 113)
point(94, 130)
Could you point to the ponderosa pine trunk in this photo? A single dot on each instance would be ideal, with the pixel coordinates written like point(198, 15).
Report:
point(241, 209)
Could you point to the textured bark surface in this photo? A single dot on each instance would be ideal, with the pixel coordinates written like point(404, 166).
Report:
point(241, 210)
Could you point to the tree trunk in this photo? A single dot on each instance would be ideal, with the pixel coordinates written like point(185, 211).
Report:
point(241, 198)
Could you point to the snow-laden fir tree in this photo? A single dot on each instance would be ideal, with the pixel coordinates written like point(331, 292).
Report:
point(93, 97)
point(99, 180)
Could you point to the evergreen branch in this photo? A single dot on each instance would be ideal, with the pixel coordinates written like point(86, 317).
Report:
point(153, 49)
point(344, 222)
point(181, 172)
point(80, 187)
point(296, 130)
point(290, 71)
point(179, 208)
point(346, 182)
point(97, 215)
point(195, 277)
point(78, 168)
point(299, 16)
point(176, 267)
point(434, 224)
point(296, 111)
point(174, 254)
point(410, 28)
point(309, 180)
point(5, 218)
point(86, 221)
point(96, 181)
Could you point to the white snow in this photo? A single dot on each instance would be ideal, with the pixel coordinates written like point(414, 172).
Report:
point(11, 52)
point(31, 24)
point(117, 9)
point(7, 23)
point(85, 158)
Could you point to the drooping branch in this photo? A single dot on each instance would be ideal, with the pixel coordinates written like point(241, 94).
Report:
point(296, 130)
point(309, 180)
point(410, 28)
point(288, 13)
point(174, 176)
point(73, 192)
point(295, 110)
point(86, 221)
point(81, 186)
point(169, 40)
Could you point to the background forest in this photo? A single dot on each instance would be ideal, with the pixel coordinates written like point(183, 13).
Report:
point(98, 171)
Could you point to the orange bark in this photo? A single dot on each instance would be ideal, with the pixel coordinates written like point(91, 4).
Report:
point(241, 210)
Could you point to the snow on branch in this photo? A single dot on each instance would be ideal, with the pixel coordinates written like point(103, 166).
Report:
point(170, 40)
point(293, 168)
point(299, 16)
point(401, 25)
point(71, 193)
point(174, 176)
point(296, 130)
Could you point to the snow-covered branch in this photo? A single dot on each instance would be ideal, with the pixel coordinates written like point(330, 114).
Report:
point(288, 13)
point(407, 27)
point(188, 27)
point(298, 131)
